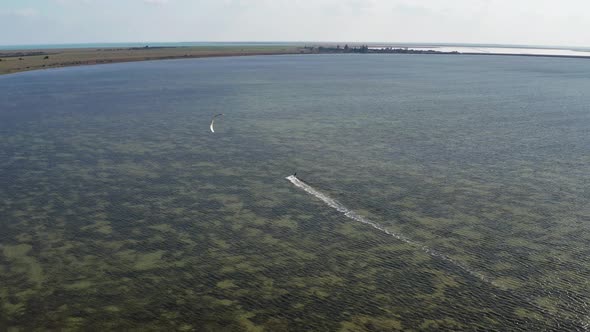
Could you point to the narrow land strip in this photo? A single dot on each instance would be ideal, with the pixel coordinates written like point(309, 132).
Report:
point(24, 60)
point(13, 61)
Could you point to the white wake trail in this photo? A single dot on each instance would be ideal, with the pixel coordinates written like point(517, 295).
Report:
point(354, 216)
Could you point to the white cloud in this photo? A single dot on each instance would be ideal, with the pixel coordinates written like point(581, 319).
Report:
point(467, 21)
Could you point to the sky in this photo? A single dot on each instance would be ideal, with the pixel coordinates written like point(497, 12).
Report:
point(521, 22)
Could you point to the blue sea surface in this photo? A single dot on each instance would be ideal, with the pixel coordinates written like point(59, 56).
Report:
point(433, 192)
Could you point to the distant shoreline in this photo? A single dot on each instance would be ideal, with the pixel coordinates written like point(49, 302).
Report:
point(532, 55)
point(15, 61)
point(503, 51)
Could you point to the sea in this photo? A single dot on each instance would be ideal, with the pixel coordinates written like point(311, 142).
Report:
point(432, 192)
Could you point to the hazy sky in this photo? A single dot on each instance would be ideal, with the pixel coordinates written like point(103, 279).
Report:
point(537, 22)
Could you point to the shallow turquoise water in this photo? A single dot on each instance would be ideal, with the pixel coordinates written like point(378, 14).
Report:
point(120, 210)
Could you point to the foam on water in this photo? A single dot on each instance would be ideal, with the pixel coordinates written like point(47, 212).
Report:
point(355, 216)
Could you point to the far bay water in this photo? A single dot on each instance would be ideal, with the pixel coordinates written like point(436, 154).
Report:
point(433, 192)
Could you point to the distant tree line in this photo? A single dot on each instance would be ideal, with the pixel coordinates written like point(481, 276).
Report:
point(366, 49)
point(345, 49)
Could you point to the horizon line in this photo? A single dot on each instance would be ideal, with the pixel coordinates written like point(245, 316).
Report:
point(299, 42)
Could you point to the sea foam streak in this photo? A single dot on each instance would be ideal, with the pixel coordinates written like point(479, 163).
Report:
point(354, 216)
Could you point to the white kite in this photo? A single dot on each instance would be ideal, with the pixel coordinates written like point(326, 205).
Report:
point(213, 121)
